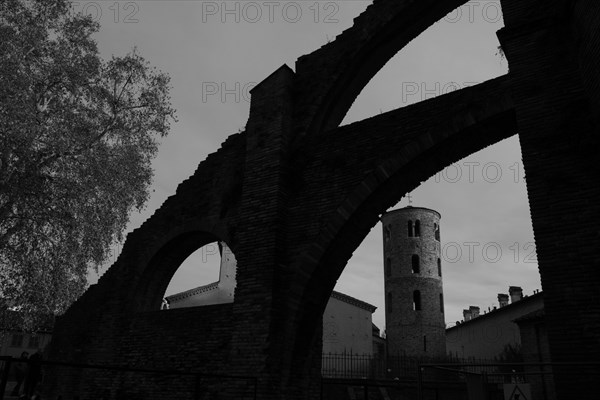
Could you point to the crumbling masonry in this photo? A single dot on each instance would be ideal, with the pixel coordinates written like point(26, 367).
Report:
point(294, 195)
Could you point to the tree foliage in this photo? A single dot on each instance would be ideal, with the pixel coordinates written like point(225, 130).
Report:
point(77, 137)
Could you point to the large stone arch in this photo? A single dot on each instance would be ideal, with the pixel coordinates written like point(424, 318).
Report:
point(400, 170)
point(333, 76)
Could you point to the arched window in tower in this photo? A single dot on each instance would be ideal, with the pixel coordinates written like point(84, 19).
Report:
point(410, 228)
point(388, 267)
point(441, 303)
point(416, 300)
point(389, 302)
point(388, 233)
point(437, 232)
point(439, 262)
point(417, 228)
point(416, 264)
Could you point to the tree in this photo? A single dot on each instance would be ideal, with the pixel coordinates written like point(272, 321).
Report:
point(511, 353)
point(77, 137)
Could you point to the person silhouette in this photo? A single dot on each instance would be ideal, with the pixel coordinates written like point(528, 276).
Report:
point(34, 374)
point(20, 371)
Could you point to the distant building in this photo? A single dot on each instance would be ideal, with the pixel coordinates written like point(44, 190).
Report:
point(13, 341)
point(349, 337)
point(348, 326)
point(379, 344)
point(485, 335)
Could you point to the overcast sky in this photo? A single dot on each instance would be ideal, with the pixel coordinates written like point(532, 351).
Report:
point(216, 51)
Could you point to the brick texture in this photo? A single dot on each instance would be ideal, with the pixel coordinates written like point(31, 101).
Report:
point(411, 332)
point(294, 195)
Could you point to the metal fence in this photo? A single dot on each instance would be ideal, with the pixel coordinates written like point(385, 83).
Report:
point(104, 382)
point(351, 376)
point(496, 381)
point(355, 366)
point(368, 389)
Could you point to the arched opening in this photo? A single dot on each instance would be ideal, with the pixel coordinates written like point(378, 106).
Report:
point(464, 60)
point(388, 184)
point(506, 209)
point(198, 252)
point(416, 264)
point(417, 228)
point(206, 277)
point(416, 300)
point(442, 303)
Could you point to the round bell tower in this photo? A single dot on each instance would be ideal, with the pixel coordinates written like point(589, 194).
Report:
point(414, 300)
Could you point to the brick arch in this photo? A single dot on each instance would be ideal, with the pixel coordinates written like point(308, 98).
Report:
point(381, 189)
point(332, 77)
point(174, 248)
point(204, 208)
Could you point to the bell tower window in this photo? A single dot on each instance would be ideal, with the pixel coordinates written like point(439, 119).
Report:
point(416, 264)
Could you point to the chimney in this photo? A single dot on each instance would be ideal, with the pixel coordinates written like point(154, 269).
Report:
point(467, 315)
point(474, 311)
point(516, 293)
point(502, 299)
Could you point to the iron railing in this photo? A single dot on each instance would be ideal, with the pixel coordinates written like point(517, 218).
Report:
point(450, 381)
point(144, 383)
point(359, 366)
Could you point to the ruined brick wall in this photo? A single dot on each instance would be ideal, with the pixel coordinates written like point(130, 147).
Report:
point(190, 340)
point(555, 117)
point(92, 330)
point(293, 196)
point(586, 37)
point(173, 337)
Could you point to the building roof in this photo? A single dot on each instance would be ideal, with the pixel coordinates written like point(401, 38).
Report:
point(410, 209)
point(375, 328)
point(192, 292)
point(353, 301)
point(500, 310)
point(532, 316)
point(212, 286)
